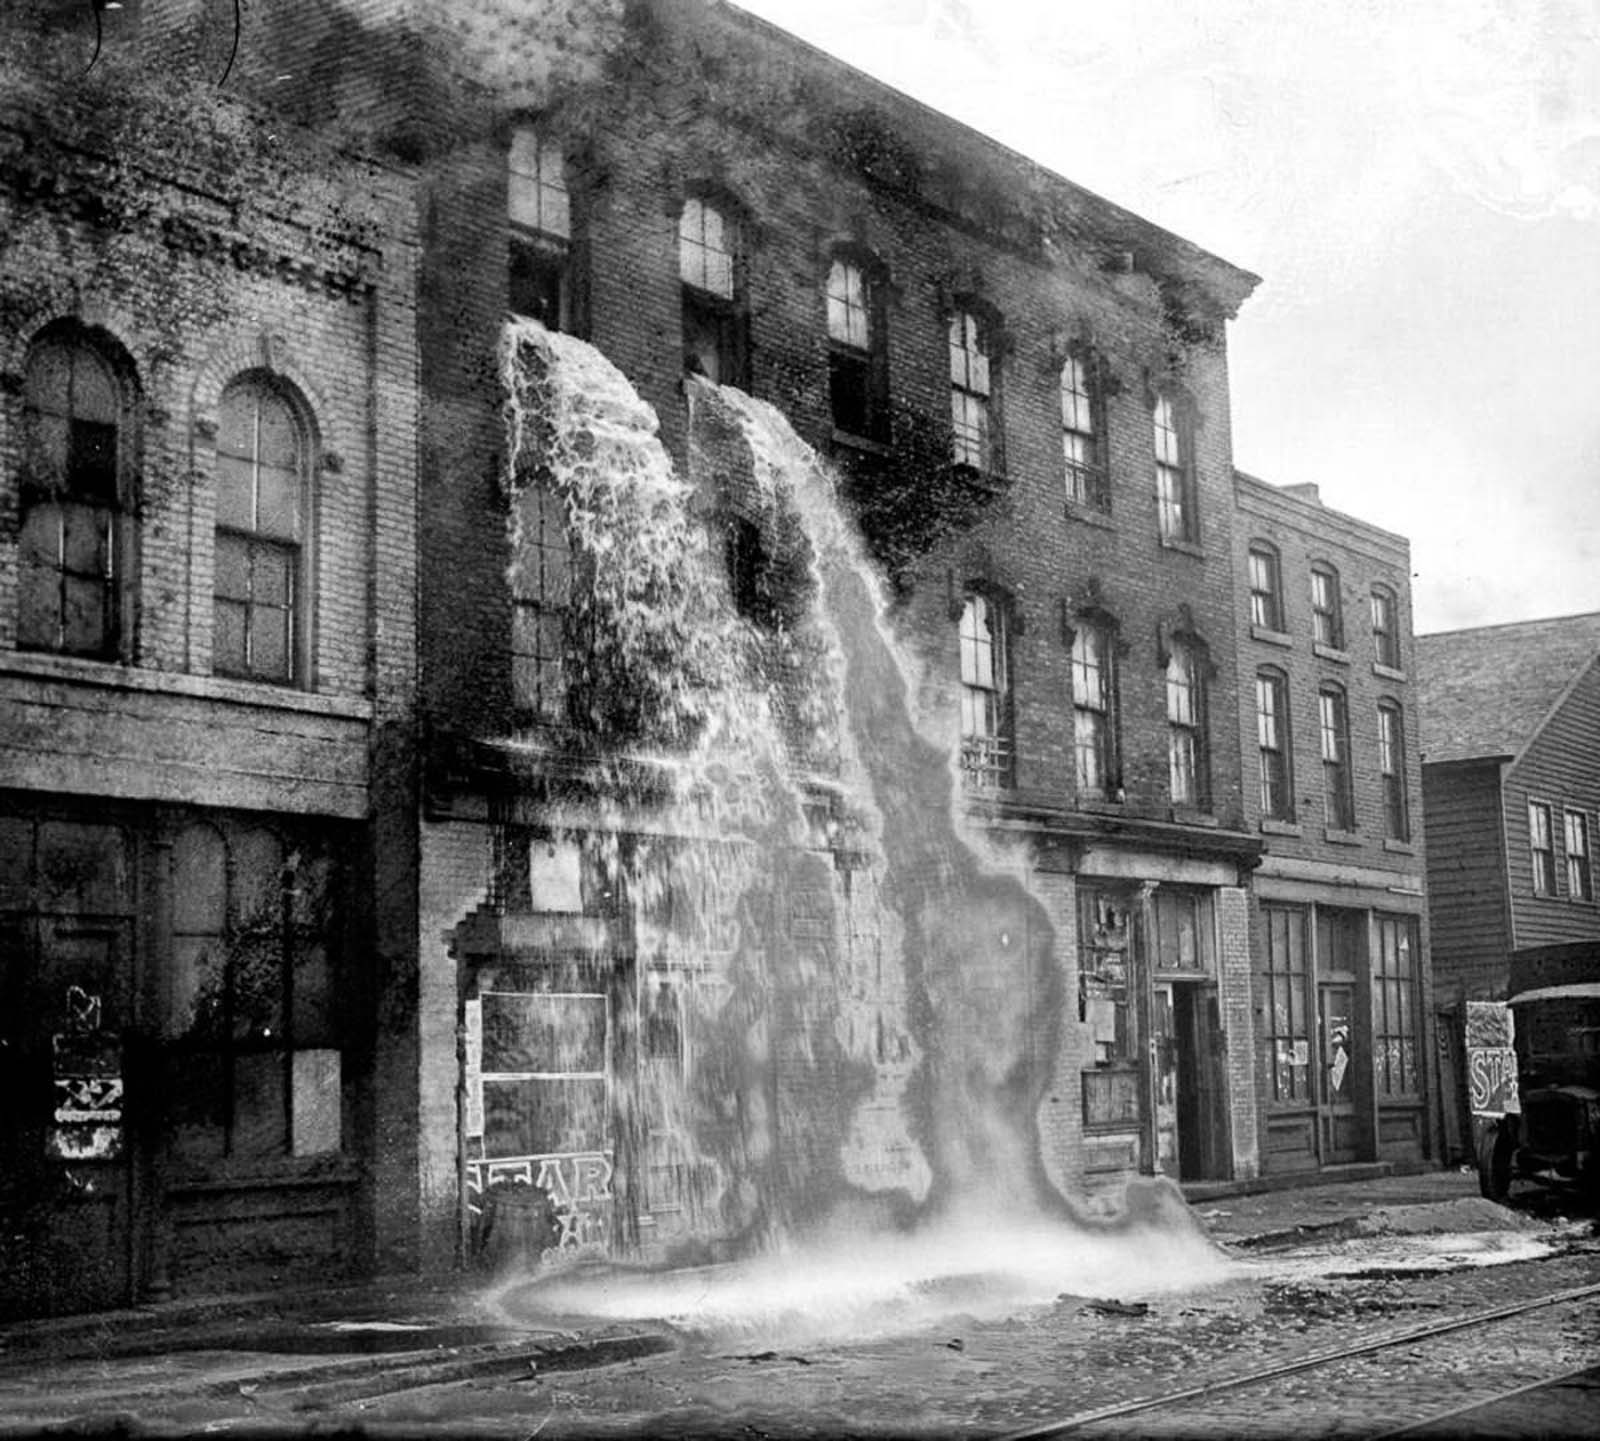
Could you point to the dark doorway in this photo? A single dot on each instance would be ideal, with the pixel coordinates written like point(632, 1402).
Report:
point(1203, 1151)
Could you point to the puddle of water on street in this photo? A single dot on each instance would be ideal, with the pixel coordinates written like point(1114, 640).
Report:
point(1448, 1251)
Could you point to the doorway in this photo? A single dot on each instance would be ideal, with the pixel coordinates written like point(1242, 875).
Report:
point(1190, 1102)
point(1336, 1102)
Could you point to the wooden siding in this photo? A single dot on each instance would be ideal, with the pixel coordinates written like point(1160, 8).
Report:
point(1561, 768)
point(1469, 924)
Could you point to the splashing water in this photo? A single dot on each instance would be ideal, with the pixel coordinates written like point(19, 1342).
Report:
point(870, 981)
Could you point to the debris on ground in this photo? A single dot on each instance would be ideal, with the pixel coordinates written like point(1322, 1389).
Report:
point(1119, 1308)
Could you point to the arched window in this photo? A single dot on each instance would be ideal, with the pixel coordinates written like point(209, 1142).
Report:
point(1266, 587)
point(1186, 726)
point(858, 375)
point(263, 489)
point(986, 749)
point(74, 542)
point(711, 267)
point(1273, 741)
point(1327, 610)
point(1083, 435)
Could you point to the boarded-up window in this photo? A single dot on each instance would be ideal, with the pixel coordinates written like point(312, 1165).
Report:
point(545, 1058)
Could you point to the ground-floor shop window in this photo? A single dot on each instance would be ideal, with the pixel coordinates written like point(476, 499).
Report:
point(253, 1003)
point(1395, 1048)
point(1105, 931)
point(1285, 1031)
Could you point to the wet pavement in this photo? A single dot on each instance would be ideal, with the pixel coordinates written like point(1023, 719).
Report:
point(409, 1351)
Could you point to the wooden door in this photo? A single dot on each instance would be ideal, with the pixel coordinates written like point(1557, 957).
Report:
point(1336, 1110)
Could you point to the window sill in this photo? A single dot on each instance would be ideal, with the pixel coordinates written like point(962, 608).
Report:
point(1088, 514)
point(1270, 827)
point(978, 477)
point(865, 444)
point(1330, 652)
point(1190, 548)
point(1101, 806)
point(1189, 816)
point(1272, 637)
point(114, 676)
point(1336, 837)
point(1399, 848)
point(1387, 672)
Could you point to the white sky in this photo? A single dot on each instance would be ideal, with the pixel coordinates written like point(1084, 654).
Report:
point(1417, 182)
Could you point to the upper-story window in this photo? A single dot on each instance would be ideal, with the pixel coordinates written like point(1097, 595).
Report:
point(75, 541)
point(1266, 587)
point(1094, 702)
point(263, 484)
point(986, 748)
point(1338, 797)
point(858, 374)
point(1083, 436)
point(1186, 726)
point(1580, 879)
point(972, 387)
point(1385, 627)
point(711, 267)
point(1175, 495)
point(1327, 618)
point(1392, 768)
point(1542, 846)
point(539, 206)
point(540, 602)
point(1273, 743)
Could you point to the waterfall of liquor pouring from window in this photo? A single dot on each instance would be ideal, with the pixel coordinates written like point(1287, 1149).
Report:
point(961, 976)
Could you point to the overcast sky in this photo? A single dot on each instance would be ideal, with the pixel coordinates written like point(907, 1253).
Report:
point(1417, 182)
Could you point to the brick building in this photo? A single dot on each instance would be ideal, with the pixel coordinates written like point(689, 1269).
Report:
point(207, 418)
point(702, 877)
point(1330, 712)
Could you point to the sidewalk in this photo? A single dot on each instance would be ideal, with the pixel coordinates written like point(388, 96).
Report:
point(447, 1320)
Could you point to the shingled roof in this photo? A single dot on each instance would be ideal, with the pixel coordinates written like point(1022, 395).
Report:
point(1486, 691)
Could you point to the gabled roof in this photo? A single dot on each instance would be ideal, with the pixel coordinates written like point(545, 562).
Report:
point(1488, 691)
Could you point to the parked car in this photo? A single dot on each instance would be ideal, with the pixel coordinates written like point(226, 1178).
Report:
point(1554, 995)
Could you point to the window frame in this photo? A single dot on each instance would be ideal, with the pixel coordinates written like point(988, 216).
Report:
point(540, 217)
point(1266, 600)
point(1392, 770)
point(1285, 980)
point(1579, 866)
point(1397, 1057)
point(1327, 607)
point(1084, 438)
point(1386, 650)
point(863, 366)
point(714, 320)
point(974, 390)
point(1172, 446)
point(300, 550)
point(1188, 751)
point(988, 760)
point(541, 599)
point(1095, 721)
point(1275, 751)
point(51, 484)
point(1338, 788)
point(1541, 818)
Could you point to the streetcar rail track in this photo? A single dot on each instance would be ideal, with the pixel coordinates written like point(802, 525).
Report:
point(1326, 1357)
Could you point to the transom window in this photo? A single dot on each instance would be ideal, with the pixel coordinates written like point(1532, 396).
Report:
point(1580, 880)
point(72, 542)
point(1338, 800)
point(1266, 588)
point(262, 472)
point(1093, 709)
point(986, 752)
point(1174, 476)
point(539, 206)
point(1186, 755)
point(710, 245)
point(1327, 621)
point(971, 392)
point(1385, 628)
point(1081, 433)
point(1392, 766)
point(857, 372)
point(1272, 739)
point(1541, 844)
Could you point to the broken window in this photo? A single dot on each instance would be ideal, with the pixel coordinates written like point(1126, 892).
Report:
point(986, 749)
point(1093, 710)
point(710, 265)
point(539, 207)
point(71, 544)
point(857, 368)
point(263, 472)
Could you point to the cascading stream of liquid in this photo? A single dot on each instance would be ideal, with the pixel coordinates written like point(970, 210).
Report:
point(918, 1017)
